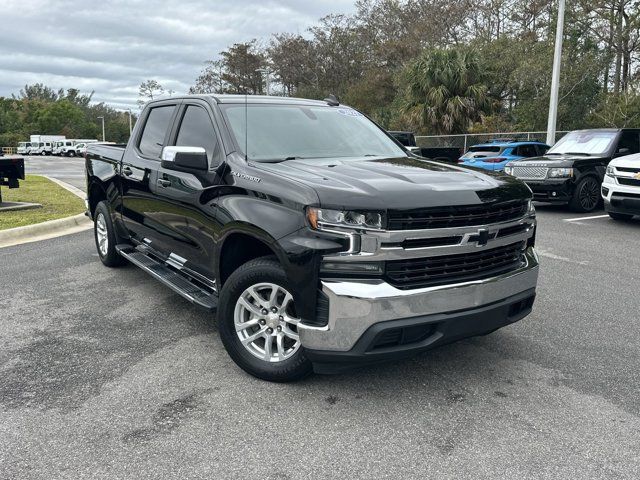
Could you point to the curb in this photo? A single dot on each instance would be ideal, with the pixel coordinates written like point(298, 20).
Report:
point(45, 230)
point(70, 188)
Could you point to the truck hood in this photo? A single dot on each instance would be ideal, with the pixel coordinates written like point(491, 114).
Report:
point(555, 161)
point(397, 183)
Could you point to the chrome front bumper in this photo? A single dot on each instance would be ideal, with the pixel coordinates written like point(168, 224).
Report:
point(356, 305)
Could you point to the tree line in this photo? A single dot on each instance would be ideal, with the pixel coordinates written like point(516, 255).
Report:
point(38, 109)
point(428, 66)
point(452, 67)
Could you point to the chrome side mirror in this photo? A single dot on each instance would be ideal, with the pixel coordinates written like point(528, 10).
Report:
point(184, 158)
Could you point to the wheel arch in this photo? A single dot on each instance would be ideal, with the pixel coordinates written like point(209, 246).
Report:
point(241, 244)
point(95, 194)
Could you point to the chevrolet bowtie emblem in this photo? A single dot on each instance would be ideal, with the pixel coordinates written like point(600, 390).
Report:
point(481, 238)
point(637, 176)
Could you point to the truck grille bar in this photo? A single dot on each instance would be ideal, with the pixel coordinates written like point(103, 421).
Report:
point(449, 269)
point(456, 216)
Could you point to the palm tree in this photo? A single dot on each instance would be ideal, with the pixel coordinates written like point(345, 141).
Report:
point(445, 91)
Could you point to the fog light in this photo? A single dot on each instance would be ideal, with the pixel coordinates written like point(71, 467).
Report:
point(605, 191)
point(362, 268)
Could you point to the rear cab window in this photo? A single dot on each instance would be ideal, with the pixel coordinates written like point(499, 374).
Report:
point(155, 130)
point(483, 151)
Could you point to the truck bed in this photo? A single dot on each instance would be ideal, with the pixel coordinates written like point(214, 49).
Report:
point(112, 152)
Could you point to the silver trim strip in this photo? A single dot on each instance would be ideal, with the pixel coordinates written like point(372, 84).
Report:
point(372, 244)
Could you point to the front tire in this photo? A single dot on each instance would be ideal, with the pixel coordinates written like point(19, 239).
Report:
point(105, 237)
point(586, 196)
point(257, 322)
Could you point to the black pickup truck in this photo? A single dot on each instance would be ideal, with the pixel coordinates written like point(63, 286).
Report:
point(571, 172)
point(11, 171)
point(320, 242)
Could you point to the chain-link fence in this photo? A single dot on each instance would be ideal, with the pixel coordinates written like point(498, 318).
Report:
point(466, 140)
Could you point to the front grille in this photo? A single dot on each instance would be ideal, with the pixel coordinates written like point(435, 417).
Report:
point(629, 181)
point(628, 170)
point(458, 216)
point(628, 195)
point(447, 269)
point(530, 173)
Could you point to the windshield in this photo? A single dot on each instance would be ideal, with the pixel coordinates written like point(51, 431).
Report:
point(278, 132)
point(591, 143)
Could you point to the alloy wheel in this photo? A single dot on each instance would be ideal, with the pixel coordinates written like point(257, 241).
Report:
point(266, 322)
point(102, 235)
point(589, 195)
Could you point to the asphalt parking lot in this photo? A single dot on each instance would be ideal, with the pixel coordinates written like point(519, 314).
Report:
point(108, 374)
point(67, 169)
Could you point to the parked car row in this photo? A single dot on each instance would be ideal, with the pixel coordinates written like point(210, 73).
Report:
point(50, 146)
point(584, 167)
point(496, 154)
point(581, 170)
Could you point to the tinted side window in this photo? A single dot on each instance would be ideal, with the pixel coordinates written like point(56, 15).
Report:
point(527, 151)
point(155, 130)
point(631, 141)
point(542, 149)
point(196, 130)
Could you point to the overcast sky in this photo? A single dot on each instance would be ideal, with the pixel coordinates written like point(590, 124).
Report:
point(111, 46)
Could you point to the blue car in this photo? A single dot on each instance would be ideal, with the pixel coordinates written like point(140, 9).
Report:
point(496, 154)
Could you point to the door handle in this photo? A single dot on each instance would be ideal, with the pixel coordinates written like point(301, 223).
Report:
point(127, 171)
point(164, 183)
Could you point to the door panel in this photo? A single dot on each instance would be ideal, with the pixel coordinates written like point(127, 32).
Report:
point(187, 220)
point(139, 171)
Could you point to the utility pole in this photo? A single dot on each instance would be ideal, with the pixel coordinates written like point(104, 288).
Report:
point(103, 136)
point(555, 77)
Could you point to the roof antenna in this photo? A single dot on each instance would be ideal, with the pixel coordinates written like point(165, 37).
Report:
point(246, 108)
point(332, 100)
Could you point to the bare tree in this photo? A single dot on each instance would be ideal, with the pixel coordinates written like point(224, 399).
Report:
point(149, 90)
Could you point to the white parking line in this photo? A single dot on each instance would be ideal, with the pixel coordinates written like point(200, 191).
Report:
point(585, 218)
point(544, 253)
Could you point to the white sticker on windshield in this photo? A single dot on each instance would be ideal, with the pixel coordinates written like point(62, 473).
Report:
point(349, 112)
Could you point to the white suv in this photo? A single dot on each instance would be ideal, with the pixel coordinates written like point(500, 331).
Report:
point(621, 187)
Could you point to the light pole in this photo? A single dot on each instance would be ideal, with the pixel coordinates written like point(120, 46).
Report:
point(266, 73)
point(555, 77)
point(130, 127)
point(103, 136)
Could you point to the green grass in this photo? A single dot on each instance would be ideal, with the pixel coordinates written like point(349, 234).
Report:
point(56, 202)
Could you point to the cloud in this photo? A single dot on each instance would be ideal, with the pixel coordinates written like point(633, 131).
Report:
point(112, 46)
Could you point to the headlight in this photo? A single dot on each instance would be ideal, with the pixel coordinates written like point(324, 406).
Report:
point(560, 172)
point(610, 171)
point(508, 170)
point(321, 217)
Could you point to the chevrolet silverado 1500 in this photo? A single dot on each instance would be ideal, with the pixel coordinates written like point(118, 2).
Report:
point(319, 241)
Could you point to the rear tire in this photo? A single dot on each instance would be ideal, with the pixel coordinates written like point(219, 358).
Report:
point(586, 197)
point(244, 299)
point(105, 237)
point(622, 217)
point(71, 154)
